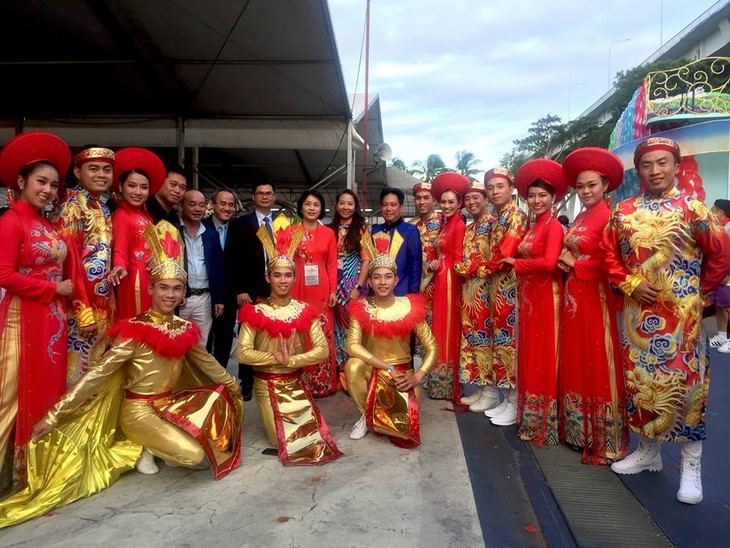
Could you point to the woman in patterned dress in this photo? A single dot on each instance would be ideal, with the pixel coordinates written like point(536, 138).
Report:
point(442, 382)
point(141, 174)
point(592, 395)
point(33, 309)
point(316, 284)
point(349, 227)
point(539, 296)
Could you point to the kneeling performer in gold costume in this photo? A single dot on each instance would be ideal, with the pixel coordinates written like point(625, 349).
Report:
point(379, 373)
point(272, 339)
point(154, 391)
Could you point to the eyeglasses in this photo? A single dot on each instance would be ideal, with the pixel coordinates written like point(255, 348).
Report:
point(263, 194)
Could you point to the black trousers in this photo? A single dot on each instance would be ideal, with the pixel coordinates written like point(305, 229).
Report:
point(221, 334)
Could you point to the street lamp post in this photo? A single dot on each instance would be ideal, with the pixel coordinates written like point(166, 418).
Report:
point(570, 89)
point(609, 58)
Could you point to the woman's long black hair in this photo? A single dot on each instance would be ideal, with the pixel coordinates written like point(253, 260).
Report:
point(354, 233)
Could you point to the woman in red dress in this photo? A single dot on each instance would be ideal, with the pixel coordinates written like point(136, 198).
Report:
point(592, 396)
point(141, 174)
point(539, 297)
point(442, 382)
point(316, 284)
point(33, 309)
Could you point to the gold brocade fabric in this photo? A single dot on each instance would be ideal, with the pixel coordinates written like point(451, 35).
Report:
point(393, 413)
point(9, 359)
point(291, 418)
point(82, 456)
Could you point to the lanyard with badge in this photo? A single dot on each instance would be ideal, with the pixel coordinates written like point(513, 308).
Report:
point(311, 269)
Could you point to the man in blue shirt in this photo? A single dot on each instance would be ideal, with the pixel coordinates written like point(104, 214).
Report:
point(408, 258)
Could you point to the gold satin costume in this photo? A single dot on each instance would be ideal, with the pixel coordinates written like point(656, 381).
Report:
point(291, 419)
point(393, 346)
point(95, 442)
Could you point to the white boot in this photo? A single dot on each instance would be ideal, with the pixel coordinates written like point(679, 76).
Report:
point(468, 400)
point(359, 429)
point(508, 417)
point(690, 483)
point(146, 464)
point(501, 406)
point(488, 399)
point(648, 456)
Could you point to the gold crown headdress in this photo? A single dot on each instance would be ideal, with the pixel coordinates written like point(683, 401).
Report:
point(166, 252)
point(287, 238)
point(382, 251)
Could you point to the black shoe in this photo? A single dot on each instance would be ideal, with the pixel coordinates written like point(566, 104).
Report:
point(247, 392)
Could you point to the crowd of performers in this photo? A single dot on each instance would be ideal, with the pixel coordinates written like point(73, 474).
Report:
point(573, 336)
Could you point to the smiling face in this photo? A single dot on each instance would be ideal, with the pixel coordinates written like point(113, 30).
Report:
point(40, 187)
point(167, 295)
point(135, 189)
point(391, 208)
point(424, 202)
point(193, 206)
point(346, 207)
point(383, 282)
point(590, 187)
point(475, 203)
point(224, 206)
point(450, 203)
point(499, 192)
point(95, 177)
point(264, 197)
point(281, 281)
point(173, 189)
point(539, 200)
point(657, 171)
point(311, 208)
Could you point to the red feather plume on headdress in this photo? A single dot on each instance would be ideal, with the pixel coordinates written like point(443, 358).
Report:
point(283, 240)
point(381, 245)
point(170, 246)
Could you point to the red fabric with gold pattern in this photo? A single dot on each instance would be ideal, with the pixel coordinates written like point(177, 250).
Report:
point(390, 329)
point(653, 144)
point(131, 158)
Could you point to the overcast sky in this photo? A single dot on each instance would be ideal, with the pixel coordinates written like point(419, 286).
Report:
point(474, 74)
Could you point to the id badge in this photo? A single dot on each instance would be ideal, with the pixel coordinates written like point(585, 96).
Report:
point(311, 274)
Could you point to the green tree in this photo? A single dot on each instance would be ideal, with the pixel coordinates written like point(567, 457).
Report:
point(430, 168)
point(466, 164)
point(400, 164)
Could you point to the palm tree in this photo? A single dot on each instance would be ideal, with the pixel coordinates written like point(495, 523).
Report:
point(466, 164)
point(400, 164)
point(430, 168)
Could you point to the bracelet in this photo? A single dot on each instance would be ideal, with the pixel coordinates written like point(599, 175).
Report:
point(391, 369)
point(358, 287)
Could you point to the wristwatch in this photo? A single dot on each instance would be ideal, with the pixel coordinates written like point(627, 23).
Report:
point(391, 369)
point(358, 287)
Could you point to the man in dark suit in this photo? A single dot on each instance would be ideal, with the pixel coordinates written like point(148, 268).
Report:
point(245, 257)
point(221, 335)
point(204, 265)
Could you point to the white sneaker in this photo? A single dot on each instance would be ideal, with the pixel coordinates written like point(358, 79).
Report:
point(718, 340)
point(146, 464)
point(690, 482)
point(508, 417)
point(489, 398)
point(725, 348)
point(498, 409)
point(468, 400)
point(359, 429)
point(648, 456)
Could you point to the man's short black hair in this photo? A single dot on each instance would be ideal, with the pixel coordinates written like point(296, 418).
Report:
point(176, 168)
point(267, 182)
point(391, 190)
point(723, 205)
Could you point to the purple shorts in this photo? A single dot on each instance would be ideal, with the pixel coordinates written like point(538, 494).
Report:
point(722, 296)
